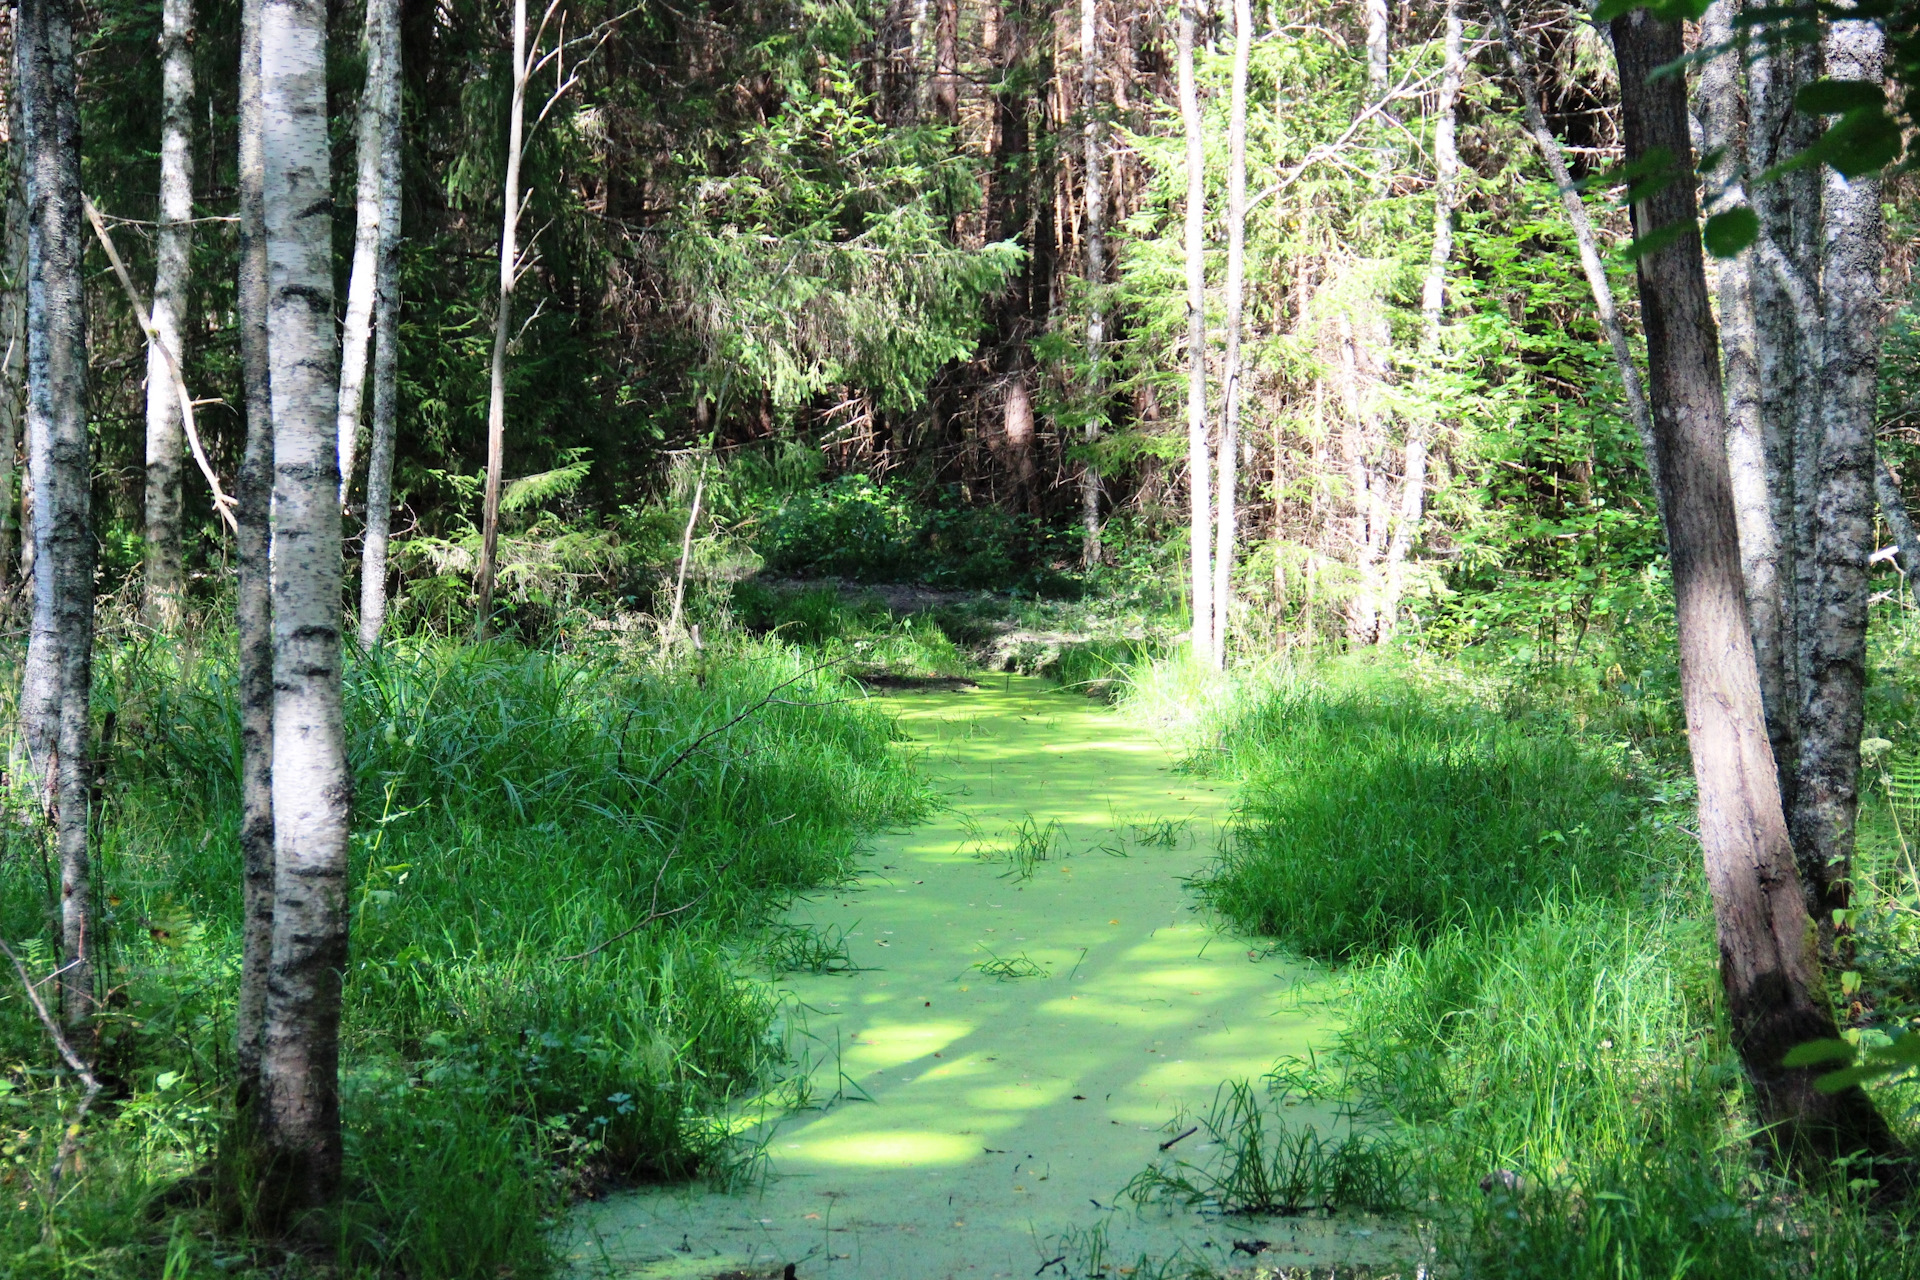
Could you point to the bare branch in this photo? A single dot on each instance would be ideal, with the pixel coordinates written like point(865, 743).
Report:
point(70, 1132)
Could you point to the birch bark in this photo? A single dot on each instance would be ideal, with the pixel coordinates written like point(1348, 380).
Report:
point(1433, 301)
point(502, 319)
point(13, 334)
point(62, 639)
point(299, 1061)
point(386, 368)
point(166, 580)
point(1227, 537)
point(1199, 451)
point(253, 606)
point(1833, 618)
point(379, 102)
point(1093, 160)
point(1770, 963)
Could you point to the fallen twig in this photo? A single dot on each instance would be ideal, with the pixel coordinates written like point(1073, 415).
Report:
point(70, 1132)
point(1178, 1136)
point(768, 700)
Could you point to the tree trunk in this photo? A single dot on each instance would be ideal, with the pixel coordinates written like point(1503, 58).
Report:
point(502, 318)
point(1378, 49)
point(1833, 623)
point(1789, 211)
point(1093, 161)
point(946, 61)
point(166, 576)
point(1770, 963)
point(13, 334)
point(1893, 508)
point(253, 603)
point(1588, 244)
point(1725, 135)
point(379, 100)
point(1433, 301)
point(299, 1061)
point(386, 358)
point(1227, 538)
point(1199, 452)
point(62, 466)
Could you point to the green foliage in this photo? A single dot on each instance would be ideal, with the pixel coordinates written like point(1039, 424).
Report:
point(1376, 816)
point(513, 808)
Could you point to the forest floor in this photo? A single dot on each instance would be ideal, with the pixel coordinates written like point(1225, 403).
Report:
point(1029, 1008)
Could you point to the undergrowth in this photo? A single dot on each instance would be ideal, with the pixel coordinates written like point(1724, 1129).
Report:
point(1529, 1003)
point(509, 1035)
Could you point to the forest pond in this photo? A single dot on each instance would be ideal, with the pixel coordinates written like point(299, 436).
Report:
point(1035, 1003)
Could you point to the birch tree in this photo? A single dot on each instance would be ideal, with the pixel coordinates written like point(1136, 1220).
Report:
point(512, 206)
point(300, 1050)
point(379, 111)
point(1770, 963)
point(60, 667)
point(1433, 300)
point(13, 330)
point(1094, 160)
point(253, 607)
point(165, 548)
point(1236, 288)
point(1199, 451)
point(386, 374)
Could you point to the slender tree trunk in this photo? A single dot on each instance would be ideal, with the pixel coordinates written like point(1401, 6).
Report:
point(166, 577)
point(1094, 161)
point(1833, 626)
point(253, 605)
point(1893, 508)
point(1433, 301)
point(62, 463)
point(13, 334)
point(379, 102)
point(1584, 238)
point(1770, 962)
point(1726, 137)
point(1227, 538)
point(386, 364)
point(1199, 452)
point(299, 1061)
point(946, 61)
point(1784, 312)
point(1379, 14)
point(502, 319)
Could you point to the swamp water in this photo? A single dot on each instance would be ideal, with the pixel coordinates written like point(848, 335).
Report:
point(1009, 1051)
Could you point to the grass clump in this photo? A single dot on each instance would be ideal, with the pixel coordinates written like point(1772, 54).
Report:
point(1529, 1002)
point(509, 1033)
point(1375, 815)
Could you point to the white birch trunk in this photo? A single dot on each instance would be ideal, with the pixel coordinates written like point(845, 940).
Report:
point(13, 337)
point(1093, 160)
point(166, 578)
point(502, 319)
point(1199, 452)
point(60, 665)
point(1433, 301)
point(1227, 535)
point(386, 367)
point(253, 604)
point(299, 1062)
point(379, 102)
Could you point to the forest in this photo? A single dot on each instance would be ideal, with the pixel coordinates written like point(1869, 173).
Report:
point(935, 638)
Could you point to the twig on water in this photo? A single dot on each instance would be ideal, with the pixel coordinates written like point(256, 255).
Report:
point(1178, 1136)
point(70, 1133)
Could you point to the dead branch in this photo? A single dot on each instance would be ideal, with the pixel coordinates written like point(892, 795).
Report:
point(766, 701)
point(70, 1132)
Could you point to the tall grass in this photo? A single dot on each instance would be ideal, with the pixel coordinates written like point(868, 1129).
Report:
point(508, 1032)
point(1529, 1002)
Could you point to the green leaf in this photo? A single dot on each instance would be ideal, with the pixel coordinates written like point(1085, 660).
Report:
point(1655, 241)
point(1835, 97)
point(1728, 233)
point(1863, 141)
point(1815, 1052)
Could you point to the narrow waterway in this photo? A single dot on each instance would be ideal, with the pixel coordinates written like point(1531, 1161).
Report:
point(974, 1123)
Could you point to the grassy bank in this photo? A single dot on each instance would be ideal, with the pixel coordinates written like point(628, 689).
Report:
point(1529, 999)
point(509, 1036)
